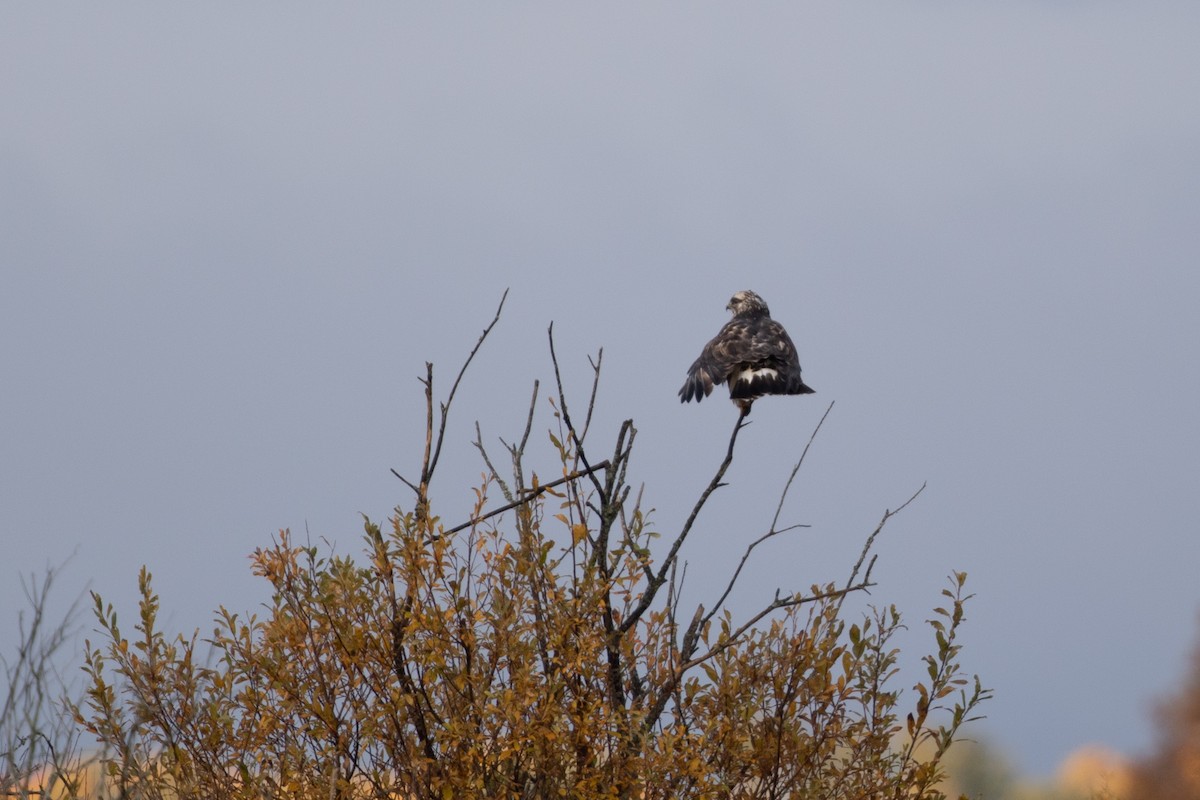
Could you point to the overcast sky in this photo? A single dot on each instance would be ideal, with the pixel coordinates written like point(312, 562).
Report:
point(231, 236)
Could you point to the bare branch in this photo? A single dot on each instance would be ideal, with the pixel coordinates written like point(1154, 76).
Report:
point(518, 452)
point(663, 570)
point(774, 529)
point(426, 472)
point(871, 539)
point(531, 494)
point(562, 401)
point(733, 580)
point(587, 422)
point(529, 419)
point(407, 482)
point(787, 486)
point(431, 464)
point(486, 460)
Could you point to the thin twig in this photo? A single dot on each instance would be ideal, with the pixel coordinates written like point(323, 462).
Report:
point(627, 527)
point(426, 470)
point(737, 572)
point(562, 401)
point(517, 453)
point(407, 482)
point(445, 407)
point(775, 605)
point(531, 494)
point(587, 422)
point(661, 576)
point(488, 461)
point(529, 419)
point(871, 539)
point(690, 638)
point(787, 486)
point(774, 529)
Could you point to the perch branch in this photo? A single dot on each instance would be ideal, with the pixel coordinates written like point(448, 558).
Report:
point(661, 576)
point(774, 530)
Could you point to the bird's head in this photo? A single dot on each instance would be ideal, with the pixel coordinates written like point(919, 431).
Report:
point(747, 302)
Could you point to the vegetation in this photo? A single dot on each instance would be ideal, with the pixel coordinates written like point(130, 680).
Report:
point(1173, 770)
point(38, 742)
point(542, 653)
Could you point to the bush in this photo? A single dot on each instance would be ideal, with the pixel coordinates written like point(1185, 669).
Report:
point(38, 742)
point(1172, 770)
point(544, 657)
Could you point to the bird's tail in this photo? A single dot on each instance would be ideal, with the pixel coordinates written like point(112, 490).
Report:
point(759, 382)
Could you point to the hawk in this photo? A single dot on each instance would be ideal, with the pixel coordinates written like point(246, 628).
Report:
point(752, 353)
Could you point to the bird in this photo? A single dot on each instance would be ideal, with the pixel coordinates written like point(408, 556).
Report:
point(752, 353)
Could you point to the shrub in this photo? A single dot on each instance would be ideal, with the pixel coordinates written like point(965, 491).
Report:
point(548, 656)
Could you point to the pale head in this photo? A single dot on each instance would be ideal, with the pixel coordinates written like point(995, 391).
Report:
point(747, 301)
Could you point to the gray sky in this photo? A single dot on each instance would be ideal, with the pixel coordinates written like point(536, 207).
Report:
point(231, 236)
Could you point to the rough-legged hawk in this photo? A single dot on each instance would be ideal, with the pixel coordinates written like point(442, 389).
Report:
point(752, 353)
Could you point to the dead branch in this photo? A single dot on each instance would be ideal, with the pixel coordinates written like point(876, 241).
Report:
point(738, 571)
point(787, 486)
point(587, 422)
point(433, 447)
point(562, 400)
point(774, 530)
point(518, 452)
point(445, 407)
point(661, 576)
point(488, 461)
point(871, 539)
point(407, 482)
point(530, 495)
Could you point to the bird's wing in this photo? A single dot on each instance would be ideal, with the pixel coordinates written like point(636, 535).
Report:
point(733, 345)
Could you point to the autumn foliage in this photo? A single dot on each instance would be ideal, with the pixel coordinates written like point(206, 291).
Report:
point(1172, 771)
point(539, 653)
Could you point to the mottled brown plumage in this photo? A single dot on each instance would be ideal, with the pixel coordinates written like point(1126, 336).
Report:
point(752, 353)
